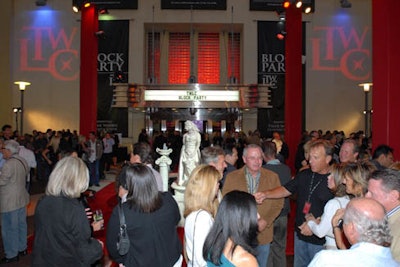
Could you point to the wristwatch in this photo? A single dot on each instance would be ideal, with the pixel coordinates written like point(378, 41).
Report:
point(339, 224)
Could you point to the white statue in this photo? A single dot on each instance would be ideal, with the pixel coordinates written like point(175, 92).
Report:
point(190, 153)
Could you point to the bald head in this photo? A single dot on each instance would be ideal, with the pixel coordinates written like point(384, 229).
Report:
point(365, 220)
point(369, 208)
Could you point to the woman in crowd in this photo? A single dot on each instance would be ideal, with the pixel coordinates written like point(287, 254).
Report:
point(62, 230)
point(151, 219)
point(232, 240)
point(355, 177)
point(322, 227)
point(200, 208)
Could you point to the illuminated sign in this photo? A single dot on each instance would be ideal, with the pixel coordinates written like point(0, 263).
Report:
point(191, 95)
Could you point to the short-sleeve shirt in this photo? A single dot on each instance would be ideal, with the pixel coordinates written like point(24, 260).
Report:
point(303, 183)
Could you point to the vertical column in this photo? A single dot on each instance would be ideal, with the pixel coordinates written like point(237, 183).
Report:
point(88, 70)
point(386, 78)
point(293, 81)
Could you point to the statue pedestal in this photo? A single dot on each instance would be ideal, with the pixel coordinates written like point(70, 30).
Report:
point(164, 162)
point(179, 197)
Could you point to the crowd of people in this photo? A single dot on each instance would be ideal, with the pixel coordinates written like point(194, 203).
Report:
point(236, 201)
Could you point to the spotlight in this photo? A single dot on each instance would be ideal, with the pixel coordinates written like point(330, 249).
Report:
point(17, 109)
point(286, 4)
point(103, 11)
point(299, 4)
point(77, 5)
point(307, 10)
point(281, 35)
point(345, 4)
point(41, 2)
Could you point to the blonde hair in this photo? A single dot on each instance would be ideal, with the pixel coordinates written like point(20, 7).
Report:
point(359, 172)
point(69, 178)
point(337, 174)
point(55, 142)
point(200, 190)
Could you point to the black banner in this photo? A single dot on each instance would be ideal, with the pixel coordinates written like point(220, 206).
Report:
point(194, 4)
point(271, 71)
point(109, 4)
point(112, 61)
point(274, 5)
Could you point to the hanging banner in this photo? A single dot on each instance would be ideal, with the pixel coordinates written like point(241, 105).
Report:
point(194, 4)
point(271, 71)
point(112, 65)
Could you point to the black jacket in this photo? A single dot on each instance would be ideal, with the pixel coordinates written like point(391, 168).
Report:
point(63, 234)
point(153, 236)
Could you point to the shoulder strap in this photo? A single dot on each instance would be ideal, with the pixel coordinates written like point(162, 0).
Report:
point(340, 204)
point(26, 172)
point(194, 233)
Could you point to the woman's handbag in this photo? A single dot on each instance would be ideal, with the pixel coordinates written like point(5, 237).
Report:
point(123, 238)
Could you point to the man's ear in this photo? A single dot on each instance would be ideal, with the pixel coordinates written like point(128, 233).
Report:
point(351, 233)
point(394, 195)
point(328, 159)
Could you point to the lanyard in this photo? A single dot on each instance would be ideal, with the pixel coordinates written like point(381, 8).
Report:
point(312, 189)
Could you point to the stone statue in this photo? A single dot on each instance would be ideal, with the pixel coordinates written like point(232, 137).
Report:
point(190, 153)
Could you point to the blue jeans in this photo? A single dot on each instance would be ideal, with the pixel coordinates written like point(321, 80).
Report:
point(94, 172)
point(262, 254)
point(14, 231)
point(304, 252)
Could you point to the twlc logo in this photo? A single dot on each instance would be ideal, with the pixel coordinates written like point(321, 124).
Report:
point(342, 49)
point(44, 50)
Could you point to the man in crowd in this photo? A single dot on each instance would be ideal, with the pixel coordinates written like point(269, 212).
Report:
point(7, 132)
point(312, 195)
point(384, 187)
point(13, 201)
point(366, 228)
point(214, 156)
point(277, 255)
point(94, 150)
point(231, 156)
point(253, 178)
point(349, 151)
point(106, 158)
point(382, 157)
